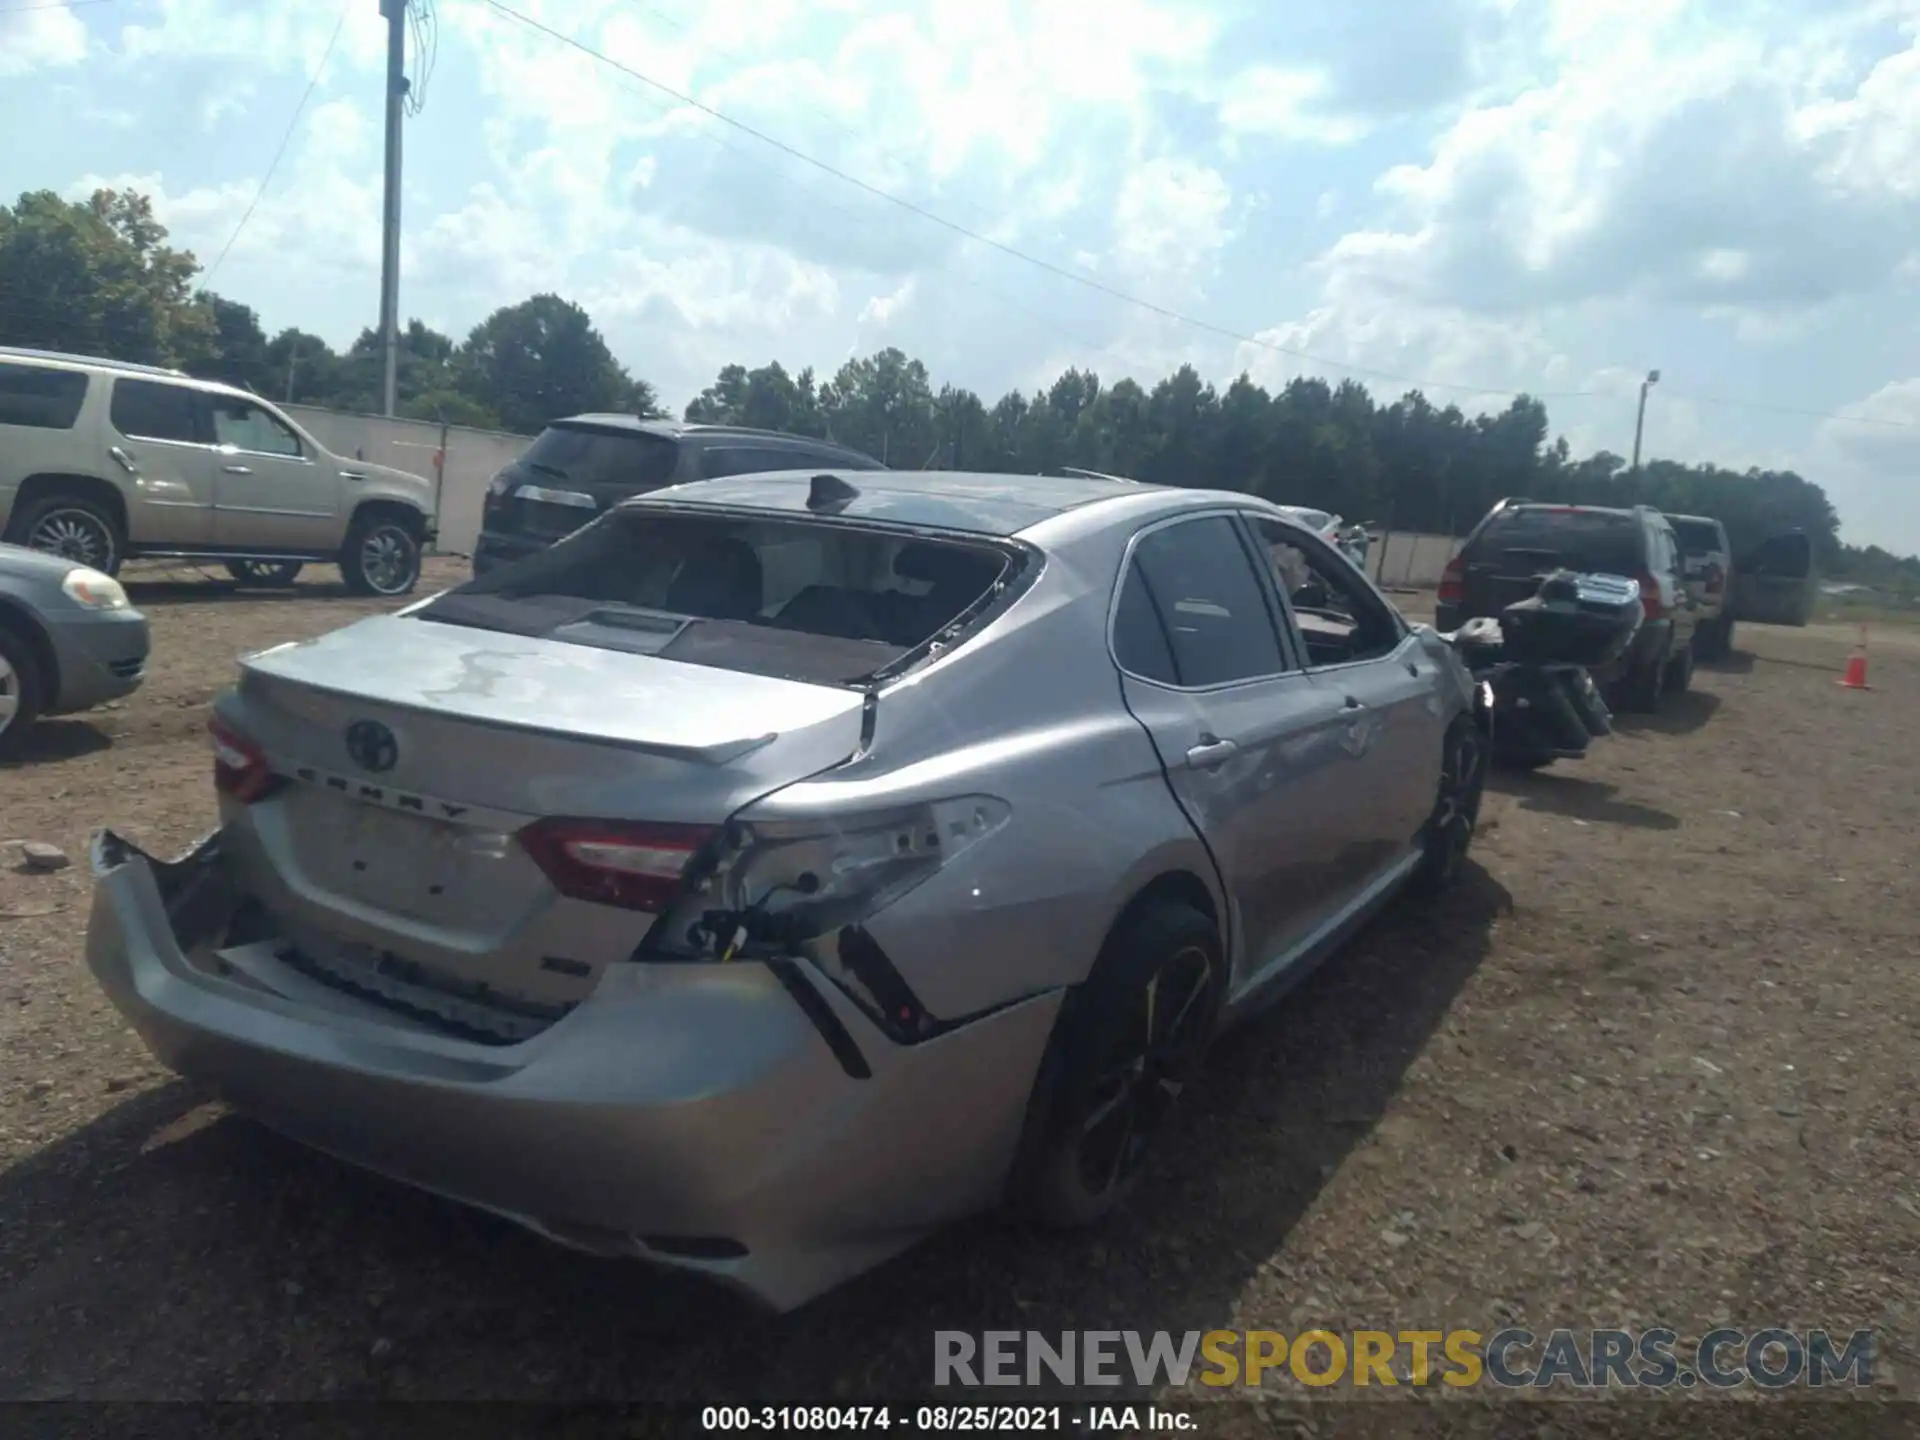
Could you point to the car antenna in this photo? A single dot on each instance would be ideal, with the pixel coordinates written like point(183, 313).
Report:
point(829, 492)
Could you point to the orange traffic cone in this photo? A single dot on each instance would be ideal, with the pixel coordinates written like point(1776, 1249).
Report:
point(1855, 677)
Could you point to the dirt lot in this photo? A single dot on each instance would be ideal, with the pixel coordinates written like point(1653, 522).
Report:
point(1655, 1063)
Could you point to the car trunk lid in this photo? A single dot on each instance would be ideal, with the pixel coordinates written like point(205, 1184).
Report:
point(415, 754)
point(533, 726)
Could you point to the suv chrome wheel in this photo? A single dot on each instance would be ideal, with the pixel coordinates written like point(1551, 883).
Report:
point(382, 557)
point(9, 694)
point(74, 534)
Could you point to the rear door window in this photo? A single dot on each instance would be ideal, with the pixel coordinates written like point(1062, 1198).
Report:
point(593, 459)
point(155, 410)
point(1588, 540)
point(1200, 582)
point(1788, 557)
point(40, 398)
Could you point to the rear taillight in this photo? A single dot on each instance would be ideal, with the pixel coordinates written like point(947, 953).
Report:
point(1452, 582)
point(240, 767)
point(1716, 579)
point(1651, 604)
point(634, 865)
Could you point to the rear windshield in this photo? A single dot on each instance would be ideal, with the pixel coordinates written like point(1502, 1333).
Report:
point(1697, 537)
point(1576, 539)
point(41, 398)
point(802, 598)
point(593, 457)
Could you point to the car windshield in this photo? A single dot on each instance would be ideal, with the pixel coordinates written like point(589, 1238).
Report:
point(1697, 537)
point(1312, 519)
point(799, 597)
point(1577, 539)
point(588, 455)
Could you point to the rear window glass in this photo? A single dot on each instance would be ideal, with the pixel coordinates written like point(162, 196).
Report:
point(1697, 537)
point(802, 598)
point(758, 459)
point(1576, 539)
point(586, 456)
point(39, 398)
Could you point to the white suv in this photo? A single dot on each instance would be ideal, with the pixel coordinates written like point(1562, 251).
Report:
point(104, 462)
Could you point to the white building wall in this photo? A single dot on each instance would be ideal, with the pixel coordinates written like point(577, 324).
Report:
point(472, 458)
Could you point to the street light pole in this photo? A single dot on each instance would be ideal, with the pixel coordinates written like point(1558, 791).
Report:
point(395, 12)
point(1640, 421)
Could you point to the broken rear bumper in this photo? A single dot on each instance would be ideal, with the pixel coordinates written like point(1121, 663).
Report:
point(688, 1114)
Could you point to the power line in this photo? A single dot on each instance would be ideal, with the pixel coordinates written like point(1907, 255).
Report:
point(1018, 254)
point(285, 140)
point(425, 27)
point(1771, 409)
point(1098, 285)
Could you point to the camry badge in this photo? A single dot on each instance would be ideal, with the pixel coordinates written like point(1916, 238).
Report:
point(372, 746)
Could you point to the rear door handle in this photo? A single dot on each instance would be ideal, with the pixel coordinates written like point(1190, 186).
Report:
point(1352, 704)
point(124, 459)
point(236, 470)
point(1210, 752)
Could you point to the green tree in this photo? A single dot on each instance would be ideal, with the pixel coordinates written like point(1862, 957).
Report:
point(540, 360)
point(96, 277)
point(236, 349)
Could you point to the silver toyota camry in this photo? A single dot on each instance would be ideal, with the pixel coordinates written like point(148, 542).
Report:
point(785, 865)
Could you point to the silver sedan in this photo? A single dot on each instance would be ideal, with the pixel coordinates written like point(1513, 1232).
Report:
point(785, 865)
point(68, 640)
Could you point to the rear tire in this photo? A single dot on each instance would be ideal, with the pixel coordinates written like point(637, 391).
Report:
point(74, 528)
point(22, 689)
point(268, 574)
point(1640, 692)
point(1679, 676)
point(381, 556)
point(1126, 1043)
point(1456, 808)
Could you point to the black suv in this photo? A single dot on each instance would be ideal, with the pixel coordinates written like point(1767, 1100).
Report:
point(580, 467)
point(1519, 542)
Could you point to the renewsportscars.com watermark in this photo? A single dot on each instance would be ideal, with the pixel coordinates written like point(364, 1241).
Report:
point(1509, 1359)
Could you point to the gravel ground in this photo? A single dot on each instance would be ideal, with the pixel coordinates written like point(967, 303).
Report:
point(1654, 1063)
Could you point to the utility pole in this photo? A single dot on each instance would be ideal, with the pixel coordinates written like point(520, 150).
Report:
point(395, 12)
point(1640, 422)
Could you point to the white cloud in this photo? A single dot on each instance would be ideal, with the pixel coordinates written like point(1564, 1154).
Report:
point(1544, 195)
point(48, 37)
point(1170, 219)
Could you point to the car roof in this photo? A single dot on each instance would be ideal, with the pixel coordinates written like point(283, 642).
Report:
point(93, 362)
point(1621, 511)
point(980, 502)
point(694, 430)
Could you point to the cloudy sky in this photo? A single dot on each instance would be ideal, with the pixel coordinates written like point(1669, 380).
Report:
point(1480, 196)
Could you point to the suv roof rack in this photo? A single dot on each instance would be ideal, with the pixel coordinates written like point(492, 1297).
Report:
point(100, 361)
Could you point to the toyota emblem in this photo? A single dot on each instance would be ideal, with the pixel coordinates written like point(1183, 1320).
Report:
point(372, 746)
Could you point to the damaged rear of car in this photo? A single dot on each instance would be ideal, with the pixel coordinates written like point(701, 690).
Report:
point(623, 890)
